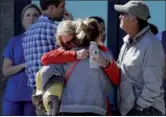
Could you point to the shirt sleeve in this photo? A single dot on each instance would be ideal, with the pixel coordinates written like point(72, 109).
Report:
point(8, 52)
point(58, 56)
point(112, 71)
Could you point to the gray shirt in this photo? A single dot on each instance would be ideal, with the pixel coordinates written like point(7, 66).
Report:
point(141, 65)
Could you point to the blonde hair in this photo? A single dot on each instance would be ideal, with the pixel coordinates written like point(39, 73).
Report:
point(29, 6)
point(84, 30)
point(66, 27)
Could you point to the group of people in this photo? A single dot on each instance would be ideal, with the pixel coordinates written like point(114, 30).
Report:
point(53, 42)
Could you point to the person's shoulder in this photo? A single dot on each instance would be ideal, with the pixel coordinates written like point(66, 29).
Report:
point(45, 20)
point(151, 40)
point(15, 38)
point(45, 24)
point(149, 37)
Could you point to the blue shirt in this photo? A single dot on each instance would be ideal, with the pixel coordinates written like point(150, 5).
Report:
point(17, 88)
point(37, 40)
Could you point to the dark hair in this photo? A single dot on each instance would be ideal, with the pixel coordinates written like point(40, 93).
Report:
point(154, 29)
point(142, 24)
point(99, 19)
point(30, 6)
point(44, 4)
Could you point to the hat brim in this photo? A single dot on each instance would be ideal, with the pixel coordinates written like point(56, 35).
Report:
point(120, 8)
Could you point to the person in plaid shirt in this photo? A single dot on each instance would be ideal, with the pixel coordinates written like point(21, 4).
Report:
point(39, 38)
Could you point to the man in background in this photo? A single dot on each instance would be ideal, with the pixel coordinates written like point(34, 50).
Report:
point(40, 38)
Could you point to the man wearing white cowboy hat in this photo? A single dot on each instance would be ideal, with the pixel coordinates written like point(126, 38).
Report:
point(141, 61)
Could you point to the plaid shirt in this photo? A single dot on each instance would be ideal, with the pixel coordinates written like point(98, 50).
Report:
point(37, 40)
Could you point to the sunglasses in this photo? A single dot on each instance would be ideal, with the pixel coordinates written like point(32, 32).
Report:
point(71, 43)
point(102, 33)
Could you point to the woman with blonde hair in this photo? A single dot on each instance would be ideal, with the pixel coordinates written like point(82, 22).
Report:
point(83, 94)
point(17, 96)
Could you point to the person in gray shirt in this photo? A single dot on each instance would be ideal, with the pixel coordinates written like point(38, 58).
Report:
point(141, 61)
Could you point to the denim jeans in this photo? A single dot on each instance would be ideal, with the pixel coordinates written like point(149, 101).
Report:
point(151, 111)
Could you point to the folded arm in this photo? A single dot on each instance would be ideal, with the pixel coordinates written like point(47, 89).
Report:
point(112, 70)
point(10, 69)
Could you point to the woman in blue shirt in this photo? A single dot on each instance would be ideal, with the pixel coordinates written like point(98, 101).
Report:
point(17, 97)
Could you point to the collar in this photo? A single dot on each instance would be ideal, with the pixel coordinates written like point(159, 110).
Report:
point(45, 17)
point(138, 36)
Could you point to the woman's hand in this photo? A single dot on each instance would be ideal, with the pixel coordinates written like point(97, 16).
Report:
point(102, 61)
point(82, 54)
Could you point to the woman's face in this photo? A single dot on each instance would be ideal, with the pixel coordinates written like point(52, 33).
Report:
point(30, 16)
point(68, 41)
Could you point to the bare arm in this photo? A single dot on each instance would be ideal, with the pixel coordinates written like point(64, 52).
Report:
point(10, 69)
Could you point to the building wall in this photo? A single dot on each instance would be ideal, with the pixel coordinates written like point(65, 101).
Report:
point(6, 31)
point(83, 9)
point(158, 13)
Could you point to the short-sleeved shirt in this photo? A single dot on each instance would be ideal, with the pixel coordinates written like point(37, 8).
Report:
point(37, 40)
point(17, 88)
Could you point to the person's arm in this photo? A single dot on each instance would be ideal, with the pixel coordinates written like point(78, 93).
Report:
point(113, 73)
point(60, 55)
point(10, 69)
point(152, 75)
point(112, 70)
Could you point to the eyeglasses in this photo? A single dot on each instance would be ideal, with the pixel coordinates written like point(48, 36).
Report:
point(124, 14)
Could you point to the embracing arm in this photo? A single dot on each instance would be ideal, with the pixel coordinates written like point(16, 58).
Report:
point(58, 56)
point(113, 73)
point(112, 70)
